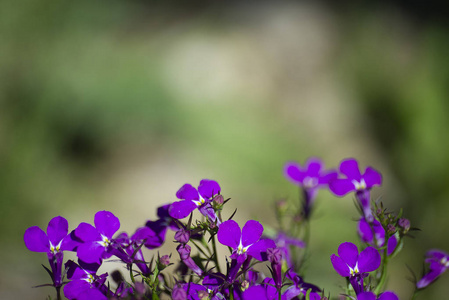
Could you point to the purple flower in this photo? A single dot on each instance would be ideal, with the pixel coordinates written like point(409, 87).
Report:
point(85, 284)
point(299, 287)
point(374, 234)
point(191, 198)
point(371, 296)
point(351, 264)
point(97, 240)
point(53, 243)
point(357, 182)
point(245, 241)
point(266, 291)
point(184, 253)
point(284, 242)
point(311, 177)
point(439, 263)
point(159, 227)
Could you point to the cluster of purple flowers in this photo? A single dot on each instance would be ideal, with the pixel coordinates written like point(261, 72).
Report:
point(199, 273)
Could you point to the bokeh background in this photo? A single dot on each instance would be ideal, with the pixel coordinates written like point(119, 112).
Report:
point(115, 104)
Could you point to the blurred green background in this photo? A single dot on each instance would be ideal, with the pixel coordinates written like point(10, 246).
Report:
point(115, 104)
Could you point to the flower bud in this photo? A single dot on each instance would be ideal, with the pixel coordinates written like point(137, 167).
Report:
point(203, 295)
point(182, 236)
point(218, 199)
point(391, 228)
point(178, 293)
point(163, 262)
point(404, 224)
point(244, 285)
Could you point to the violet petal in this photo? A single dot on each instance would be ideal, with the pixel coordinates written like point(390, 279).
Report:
point(57, 229)
point(208, 188)
point(349, 253)
point(350, 167)
point(369, 260)
point(341, 187)
point(229, 234)
point(181, 209)
point(36, 240)
point(292, 172)
point(187, 192)
point(340, 266)
point(251, 232)
point(372, 177)
point(106, 223)
point(388, 296)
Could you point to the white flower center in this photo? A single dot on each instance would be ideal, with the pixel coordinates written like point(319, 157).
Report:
point(200, 201)
point(310, 182)
point(355, 270)
point(241, 249)
point(55, 249)
point(90, 278)
point(445, 262)
point(359, 185)
point(105, 241)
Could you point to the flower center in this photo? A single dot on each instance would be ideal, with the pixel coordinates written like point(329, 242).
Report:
point(90, 278)
point(105, 241)
point(354, 271)
point(200, 201)
point(359, 185)
point(55, 249)
point(445, 262)
point(241, 249)
point(310, 182)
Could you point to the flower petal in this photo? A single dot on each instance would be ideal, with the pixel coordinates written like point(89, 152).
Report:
point(181, 209)
point(372, 177)
point(388, 296)
point(57, 229)
point(327, 177)
point(87, 233)
point(365, 232)
point(90, 252)
point(314, 166)
point(340, 266)
point(208, 188)
point(350, 167)
point(259, 249)
point(391, 245)
point(36, 240)
point(74, 288)
point(187, 192)
point(369, 260)
point(293, 172)
point(229, 234)
point(349, 253)
point(341, 187)
point(251, 232)
point(106, 223)
point(429, 278)
point(366, 296)
point(255, 292)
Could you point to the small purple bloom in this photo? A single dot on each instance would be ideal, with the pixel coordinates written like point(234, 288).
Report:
point(53, 243)
point(191, 198)
point(159, 227)
point(439, 263)
point(299, 287)
point(245, 241)
point(311, 177)
point(97, 240)
point(371, 296)
point(374, 234)
point(357, 182)
point(184, 253)
point(284, 243)
point(351, 264)
point(85, 284)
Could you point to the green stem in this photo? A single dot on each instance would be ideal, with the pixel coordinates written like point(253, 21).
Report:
point(131, 275)
point(414, 294)
point(214, 246)
point(58, 293)
point(383, 277)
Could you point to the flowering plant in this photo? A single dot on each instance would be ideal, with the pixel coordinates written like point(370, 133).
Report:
point(199, 272)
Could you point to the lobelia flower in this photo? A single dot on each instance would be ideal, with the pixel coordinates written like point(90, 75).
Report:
point(245, 243)
point(85, 284)
point(310, 178)
point(387, 295)
point(374, 234)
point(284, 242)
point(266, 291)
point(299, 287)
point(439, 263)
point(53, 243)
point(130, 245)
point(159, 227)
point(357, 182)
point(191, 198)
point(97, 241)
point(275, 257)
point(184, 253)
point(355, 266)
